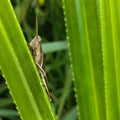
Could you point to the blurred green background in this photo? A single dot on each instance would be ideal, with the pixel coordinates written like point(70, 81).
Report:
point(52, 31)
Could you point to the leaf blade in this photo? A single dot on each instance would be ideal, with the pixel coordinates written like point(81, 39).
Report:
point(84, 43)
point(111, 47)
point(21, 73)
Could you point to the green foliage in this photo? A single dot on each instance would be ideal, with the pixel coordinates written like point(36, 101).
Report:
point(56, 62)
point(89, 23)
point(19, 70)
point(93, 39)
point(111, 46)
point(71, 115)
point(48, 47)
point(87, 58)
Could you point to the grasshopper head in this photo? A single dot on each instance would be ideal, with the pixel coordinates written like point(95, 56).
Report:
point(35, 42)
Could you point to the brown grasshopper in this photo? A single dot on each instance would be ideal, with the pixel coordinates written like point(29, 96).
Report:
point(38, 56)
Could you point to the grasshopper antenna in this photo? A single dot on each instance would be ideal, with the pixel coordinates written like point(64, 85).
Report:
point(36, 25)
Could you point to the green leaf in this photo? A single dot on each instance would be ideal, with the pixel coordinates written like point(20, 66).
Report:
point(111, 55)
point(84, 39)
point(2, 88)
point(5, 102)
point(66, 92)
point(71, 115)
point(6, 113)
point(19, 70)
point(54, 46)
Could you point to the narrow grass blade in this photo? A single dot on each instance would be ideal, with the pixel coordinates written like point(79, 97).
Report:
point(84, 39)
point(7, 113)
point(66, 92)
point(54, 46)
point(5, 102)
point(3, 88)
point(71, 115)
point(19, 70)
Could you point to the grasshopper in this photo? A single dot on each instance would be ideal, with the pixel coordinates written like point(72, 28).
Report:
point(38, 56)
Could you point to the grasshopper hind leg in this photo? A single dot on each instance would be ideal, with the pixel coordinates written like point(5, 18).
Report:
point(44, 81)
